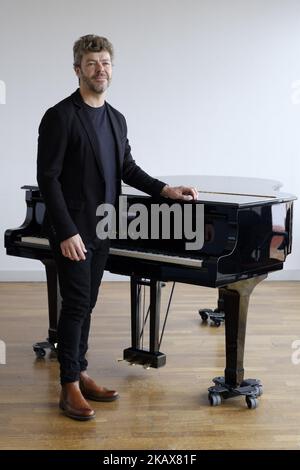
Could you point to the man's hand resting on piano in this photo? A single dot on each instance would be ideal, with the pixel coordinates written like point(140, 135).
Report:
point(73, 248)
point(184, 193)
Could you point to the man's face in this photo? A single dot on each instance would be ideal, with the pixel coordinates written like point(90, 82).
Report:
point(95, 71)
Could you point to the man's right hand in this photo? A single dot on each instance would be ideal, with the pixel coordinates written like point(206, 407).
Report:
point(73, 248)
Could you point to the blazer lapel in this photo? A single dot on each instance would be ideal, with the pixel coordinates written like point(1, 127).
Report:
point(118, 138)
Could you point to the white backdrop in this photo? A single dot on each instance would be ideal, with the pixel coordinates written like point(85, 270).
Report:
point(207, 86)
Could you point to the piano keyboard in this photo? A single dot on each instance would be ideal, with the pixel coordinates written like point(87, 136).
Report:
point(148, 256)
point(35, 241)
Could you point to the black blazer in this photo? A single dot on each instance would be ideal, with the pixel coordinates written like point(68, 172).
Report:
point(67, 143)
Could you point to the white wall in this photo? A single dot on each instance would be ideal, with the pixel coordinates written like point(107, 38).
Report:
point(206, 86)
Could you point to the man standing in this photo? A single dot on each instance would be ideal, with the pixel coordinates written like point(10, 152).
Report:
point(83, 154)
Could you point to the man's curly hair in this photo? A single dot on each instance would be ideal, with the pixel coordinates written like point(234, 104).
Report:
point(91, 43)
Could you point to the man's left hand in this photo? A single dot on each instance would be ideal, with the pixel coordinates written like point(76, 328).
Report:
point(185, 193)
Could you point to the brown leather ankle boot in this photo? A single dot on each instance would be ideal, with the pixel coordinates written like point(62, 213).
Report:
point(92, 391)
point(73, 404)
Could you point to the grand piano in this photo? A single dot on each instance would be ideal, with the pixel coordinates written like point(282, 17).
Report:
point(247, 234)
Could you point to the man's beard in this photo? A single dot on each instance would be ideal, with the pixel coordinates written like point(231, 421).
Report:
point(95, 86)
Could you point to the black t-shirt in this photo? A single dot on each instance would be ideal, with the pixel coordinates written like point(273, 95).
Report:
point(107, 150)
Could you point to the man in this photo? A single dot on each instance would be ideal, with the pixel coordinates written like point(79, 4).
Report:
point(83, 154)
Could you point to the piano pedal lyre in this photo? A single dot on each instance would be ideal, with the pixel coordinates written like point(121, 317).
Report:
point(144, 358)
point(136, 354)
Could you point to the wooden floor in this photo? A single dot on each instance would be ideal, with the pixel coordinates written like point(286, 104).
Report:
point(158, 409)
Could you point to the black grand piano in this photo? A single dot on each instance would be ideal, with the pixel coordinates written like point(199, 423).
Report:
point(248, 233)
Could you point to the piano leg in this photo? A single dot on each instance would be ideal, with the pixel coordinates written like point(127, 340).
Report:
point(136, 355)
point(236, 300)
point(54, 305)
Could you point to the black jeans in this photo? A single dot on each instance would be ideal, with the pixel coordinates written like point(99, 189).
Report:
point(79, 283)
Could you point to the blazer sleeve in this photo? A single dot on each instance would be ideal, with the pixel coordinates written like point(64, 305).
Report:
point(135, 176)
point(52, 144)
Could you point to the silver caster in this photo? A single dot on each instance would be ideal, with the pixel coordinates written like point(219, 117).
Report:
point(205, 313)
point(39, 352)
point(252, 402)
point(214, 399)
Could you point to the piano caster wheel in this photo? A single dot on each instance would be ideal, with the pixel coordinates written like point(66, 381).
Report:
point(39, 352)
point(259, 391)
point(216, 316)
point(41, 348)
point(252, 402)
point(205, 313)
point(214, 399)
